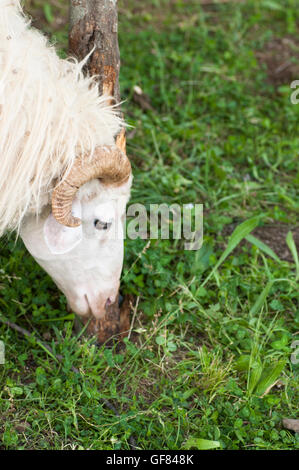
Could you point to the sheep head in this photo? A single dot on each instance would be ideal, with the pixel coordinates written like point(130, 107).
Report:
point(110, 164)
point(80, 243)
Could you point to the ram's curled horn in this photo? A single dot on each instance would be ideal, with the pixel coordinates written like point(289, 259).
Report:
point(110, 164)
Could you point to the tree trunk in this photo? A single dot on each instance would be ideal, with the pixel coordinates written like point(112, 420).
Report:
point(94, 25)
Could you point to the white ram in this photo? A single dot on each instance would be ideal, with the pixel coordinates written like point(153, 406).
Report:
point(64, 183)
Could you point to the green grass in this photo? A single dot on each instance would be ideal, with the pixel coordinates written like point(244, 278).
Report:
point(213, 329)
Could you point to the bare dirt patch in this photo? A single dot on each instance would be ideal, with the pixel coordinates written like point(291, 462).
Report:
point(281, 58)
point(274, 236)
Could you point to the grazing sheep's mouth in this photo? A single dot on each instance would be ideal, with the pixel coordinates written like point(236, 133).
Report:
point(97, 312)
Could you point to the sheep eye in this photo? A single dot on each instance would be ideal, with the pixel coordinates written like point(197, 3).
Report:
point(99, 225)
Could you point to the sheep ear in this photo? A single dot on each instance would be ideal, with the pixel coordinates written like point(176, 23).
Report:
point(59, 238)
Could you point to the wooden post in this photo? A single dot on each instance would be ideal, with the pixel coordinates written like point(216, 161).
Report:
point(94, 25)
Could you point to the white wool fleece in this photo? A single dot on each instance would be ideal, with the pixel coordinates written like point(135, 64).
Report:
point(49, 114)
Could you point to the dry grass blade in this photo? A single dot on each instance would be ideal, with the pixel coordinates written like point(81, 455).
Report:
point(217, 2)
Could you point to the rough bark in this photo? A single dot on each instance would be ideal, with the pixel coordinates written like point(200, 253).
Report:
point(94, 25)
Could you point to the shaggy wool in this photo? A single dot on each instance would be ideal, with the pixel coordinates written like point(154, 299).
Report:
point(49, 114)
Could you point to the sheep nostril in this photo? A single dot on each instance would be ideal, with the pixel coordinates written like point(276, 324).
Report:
point(108, 302)
point(120, 300)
